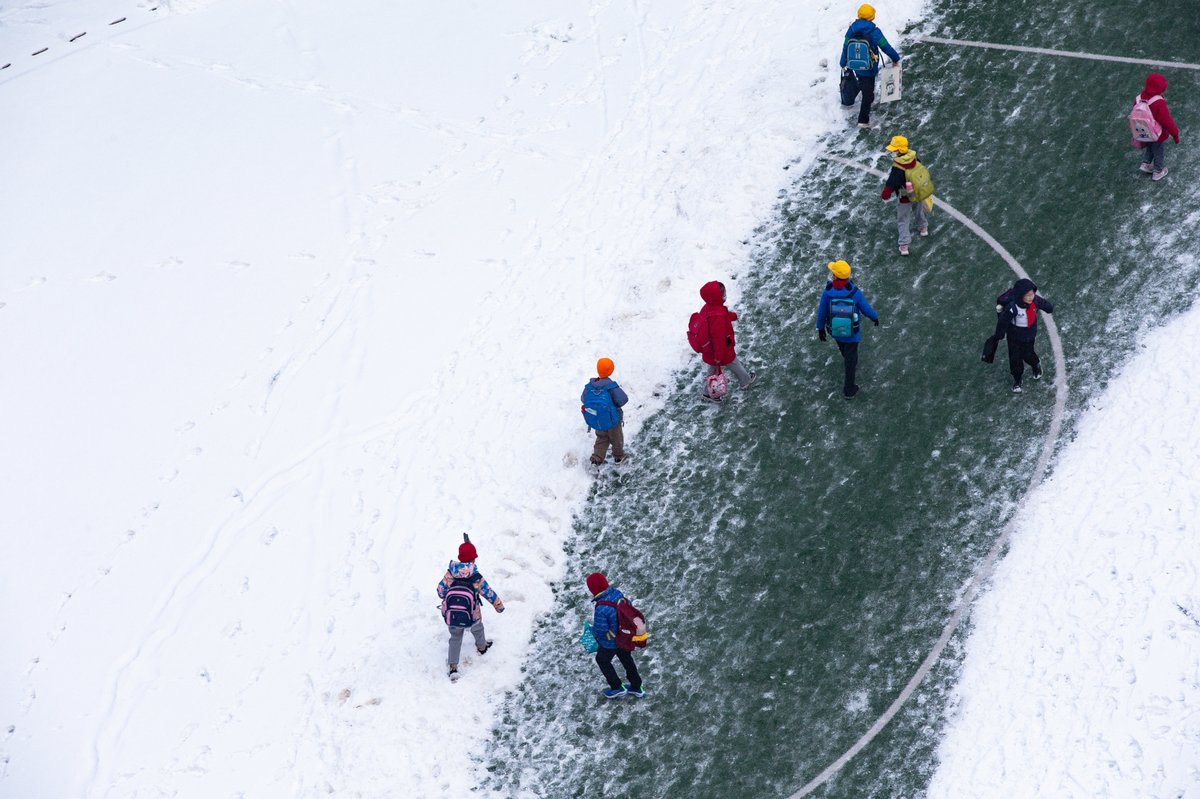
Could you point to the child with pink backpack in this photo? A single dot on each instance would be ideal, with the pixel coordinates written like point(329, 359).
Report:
point(1151, 125)
point(460, 590)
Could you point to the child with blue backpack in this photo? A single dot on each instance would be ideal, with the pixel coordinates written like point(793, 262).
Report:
point(860, 56)
point(459, 590)
point(842, 305)
point(602, 400)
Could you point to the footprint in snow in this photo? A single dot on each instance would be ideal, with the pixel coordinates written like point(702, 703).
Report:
point(102, 277)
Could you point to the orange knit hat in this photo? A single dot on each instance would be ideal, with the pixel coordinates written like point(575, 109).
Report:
point(604, 367)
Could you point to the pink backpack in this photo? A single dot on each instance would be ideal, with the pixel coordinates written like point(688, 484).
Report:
point(1142, 124)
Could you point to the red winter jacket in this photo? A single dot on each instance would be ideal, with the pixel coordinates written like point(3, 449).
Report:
point(1157, 84)
point(720, 349)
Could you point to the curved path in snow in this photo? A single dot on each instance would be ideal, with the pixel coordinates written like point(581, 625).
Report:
point(985, 569)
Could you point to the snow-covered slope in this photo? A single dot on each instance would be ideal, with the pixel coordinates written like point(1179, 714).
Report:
point(295, 293)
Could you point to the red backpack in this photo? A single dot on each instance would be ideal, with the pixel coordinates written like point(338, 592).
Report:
point(631, 625)
point(697, 333)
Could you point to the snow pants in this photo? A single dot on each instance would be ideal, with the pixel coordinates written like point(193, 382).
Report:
point(849, 350)
point(614, 436)
point(1155, 153)
point(456, 636)
point(906, 214)
point(604, 661)
point(1019, 354)
point(866, 85)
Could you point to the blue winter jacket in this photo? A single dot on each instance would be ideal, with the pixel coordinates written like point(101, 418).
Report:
point(860, 302)
point(604, 619)
point(619, 397)
point(865, 29)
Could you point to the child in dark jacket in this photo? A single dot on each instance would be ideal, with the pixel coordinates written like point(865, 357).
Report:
point(604, 628)
point(914, 199)
point(1154, 152)
point(1016, 320)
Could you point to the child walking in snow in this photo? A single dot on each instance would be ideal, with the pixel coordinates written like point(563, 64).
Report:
point(860, 55)
point(909, 180)
point(710, 332)
point(1151, 124)
point(602, 400)
point(604, 628)
point(841, 307)
point(1016, 321)
point(459, 590)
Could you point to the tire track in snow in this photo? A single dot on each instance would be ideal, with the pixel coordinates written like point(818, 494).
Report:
point(985, 569)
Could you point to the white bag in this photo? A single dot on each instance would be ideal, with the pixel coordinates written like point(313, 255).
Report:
point(887, 84)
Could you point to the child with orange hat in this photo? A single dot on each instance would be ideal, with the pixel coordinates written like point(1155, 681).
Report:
point(602, 400)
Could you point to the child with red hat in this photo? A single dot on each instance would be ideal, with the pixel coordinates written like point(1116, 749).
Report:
point(459, 590)
point(604, 628)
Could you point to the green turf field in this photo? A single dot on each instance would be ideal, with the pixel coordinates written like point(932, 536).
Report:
point(799, 554)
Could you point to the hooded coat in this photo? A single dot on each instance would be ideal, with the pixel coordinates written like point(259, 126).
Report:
point(720, 349)
point(1011, 307)
point(865, 29)
point(1157, 84)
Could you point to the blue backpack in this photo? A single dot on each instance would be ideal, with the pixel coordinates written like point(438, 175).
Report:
point(858, 55)
point(599, 410)
point(843, 316)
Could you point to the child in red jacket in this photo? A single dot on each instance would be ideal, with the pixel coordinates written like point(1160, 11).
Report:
point(717, 343)
point(1153, 152)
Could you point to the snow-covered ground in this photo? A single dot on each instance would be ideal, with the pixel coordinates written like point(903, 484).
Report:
point(1082, 675)
point(292, 294)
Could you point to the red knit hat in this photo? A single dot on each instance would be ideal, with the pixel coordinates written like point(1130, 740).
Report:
point(467, 553)
point(597, 583)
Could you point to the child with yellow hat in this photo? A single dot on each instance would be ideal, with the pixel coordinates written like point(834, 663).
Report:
point(841, 307)
point(910, 181)
point(860, 58)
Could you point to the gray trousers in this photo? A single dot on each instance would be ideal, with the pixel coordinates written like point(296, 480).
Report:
point(906, 214)
point(1155, 153)
point(739, 371)
point(456, 636)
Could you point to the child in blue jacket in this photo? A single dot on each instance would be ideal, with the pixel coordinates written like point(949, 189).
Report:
point(606, 434)
point(604, 628)
point(463, 573)
point(863, 29)
point(840, 288)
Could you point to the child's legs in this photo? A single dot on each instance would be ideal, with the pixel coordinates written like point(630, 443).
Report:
point(1157, 150)
point(477, 631)
point(919, 215)
point(604, 661)
point(1028, 355)
point(849, 350)
point(631, 672)
point(867, 87)
point(617, 436)
point(601, 449)
point(456, 635)
point(904, 215)
point(739, 371)
point(1016, 359)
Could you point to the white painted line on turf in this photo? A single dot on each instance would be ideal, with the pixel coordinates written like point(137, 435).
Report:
point(985, 569)
point(1066, 53)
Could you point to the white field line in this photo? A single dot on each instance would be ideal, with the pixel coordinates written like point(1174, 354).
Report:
point(985, 569)
point(1065, 53)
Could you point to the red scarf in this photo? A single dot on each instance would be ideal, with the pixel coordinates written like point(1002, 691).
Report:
point(840, 284)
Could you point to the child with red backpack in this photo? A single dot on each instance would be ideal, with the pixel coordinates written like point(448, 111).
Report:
point(618, 628)
point(602, 400)
point(459, 590)
point(710, 332)
point(1151, 124)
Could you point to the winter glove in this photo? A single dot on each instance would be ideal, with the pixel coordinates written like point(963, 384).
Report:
point(821, 334)
point(876, 321)
point(1176, 138)
point(887, 193)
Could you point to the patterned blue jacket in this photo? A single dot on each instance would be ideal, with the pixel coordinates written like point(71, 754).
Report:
point(604, 619)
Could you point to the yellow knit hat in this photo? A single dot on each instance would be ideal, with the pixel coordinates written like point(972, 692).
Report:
point(840, 269)
point(899, 144)
point(866, 12)
point(604, 367)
